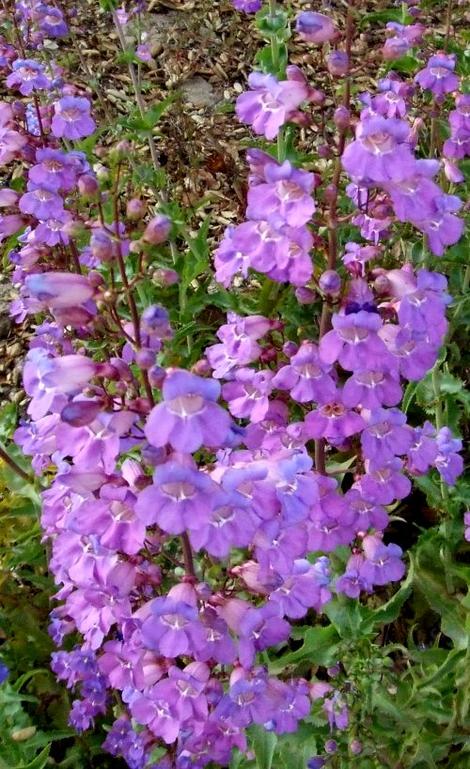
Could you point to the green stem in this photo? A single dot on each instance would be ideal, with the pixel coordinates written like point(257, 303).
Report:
point(15, 467)
point(274, 41)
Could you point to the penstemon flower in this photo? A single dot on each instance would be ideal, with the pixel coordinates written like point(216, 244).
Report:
point(190, 512)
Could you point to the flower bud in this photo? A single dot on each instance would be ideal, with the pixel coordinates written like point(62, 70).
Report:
point(331, 746)
point(305, 295)
point(7, 197)
point(342, 117)
point(136, 209)
point(121, 150)
point(382, 284)
point(333, 671)
point(87, 185)
point(337, 63)
point(95, 278)
point(355, 747)
point(156, 376)
point(330, 193)
point(289, 349)
point(145, 358)
point(330, 282)
point(314, 27)
point(202, 367)
point(166, 277)
point(58, 290)
point(157, 230)
point(324, 151)
point(102, 173)
point(101, 246)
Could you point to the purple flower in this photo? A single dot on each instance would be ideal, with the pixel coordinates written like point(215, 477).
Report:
point(28, 76)
point(260, 628)
point(230, 524)
point(423, 450)
point(239, 345)
point(188, 416)
point(372, 388)
point(53, 230)
point(382, 563)
point(306, 376)
point(302, 590)
point(314, 27)
point(171, 627)
point(59, 289)
point(278, 546)
point(214, 641)
point(448, 461)
point(156, 710)
point(415, 351)
point(333, 421)
point(466, 519)
point(385, 484)
point(269, 103)
point(380, 152)
point(285, 198)
point(295, 705)
point(247, 6)
point(352, 583)
point(385, 436)
point(4, 672)
point(413, 198)
point(42, 201)
point(248, 394)
point(51, 21)
point(354, 341)
point(441, 226)
point(368, 515)
point(179, 498)
point(72, 119)
point(438, 76)
point(54, 169)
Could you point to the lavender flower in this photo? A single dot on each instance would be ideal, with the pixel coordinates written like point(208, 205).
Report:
point(72, 119)
point(188, 416)
point(269, 103)
point(28, 76)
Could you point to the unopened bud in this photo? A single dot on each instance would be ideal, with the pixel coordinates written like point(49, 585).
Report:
point(355, 747)
point(289, 349)
point(201, 367)
point(331, 746)
point(337, 63)
point(145, 358)
point(87, 185)
point(136, 209)
point(157, 230)
point(330, 282)
point(342, 117)
point(156, 376)
point(166, 277)
point(305, 295)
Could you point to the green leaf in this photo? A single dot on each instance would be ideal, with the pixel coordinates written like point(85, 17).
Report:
point(391, 609)
point(431, 580)
point(346, 615)
point(319, 648)
point(39, 762)
point(264, 745)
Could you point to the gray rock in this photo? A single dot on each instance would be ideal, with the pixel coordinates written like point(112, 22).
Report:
point(199, 92)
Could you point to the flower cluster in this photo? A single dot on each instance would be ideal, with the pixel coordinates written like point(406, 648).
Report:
point(189, 525)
